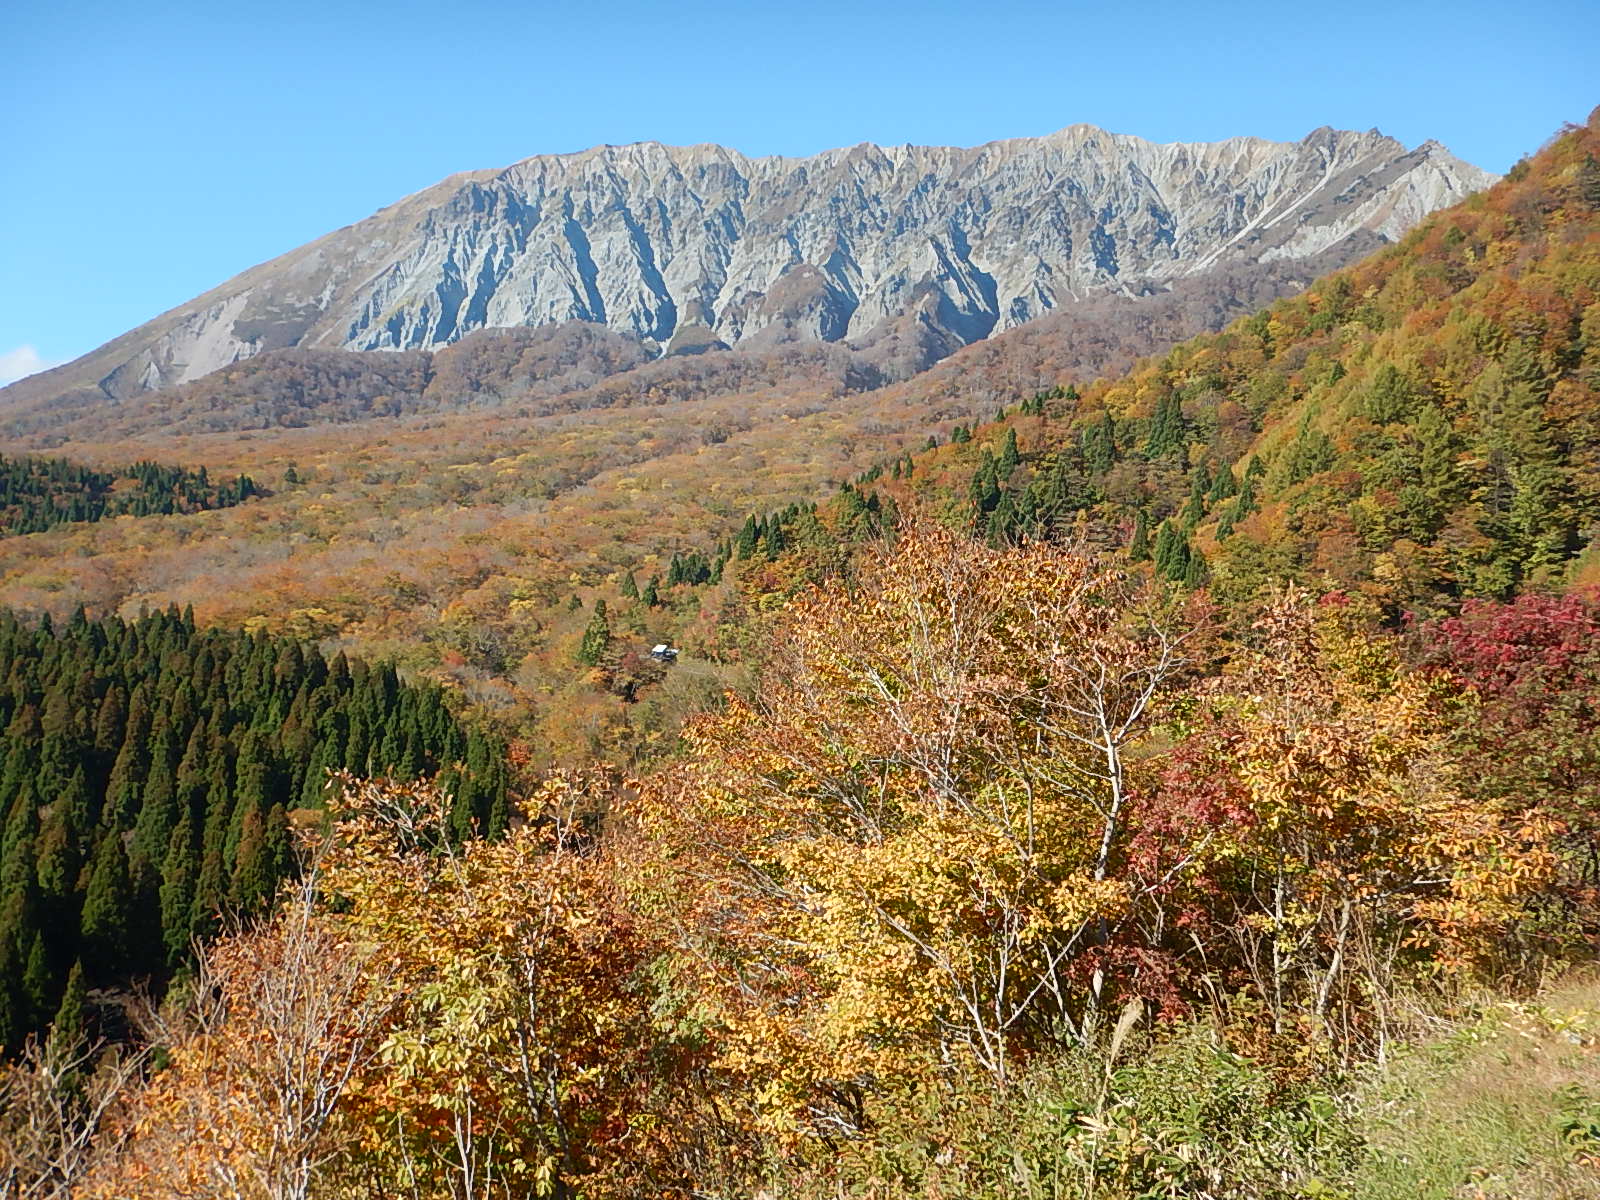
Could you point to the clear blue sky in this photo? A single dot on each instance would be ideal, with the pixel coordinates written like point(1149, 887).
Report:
point(154, 149)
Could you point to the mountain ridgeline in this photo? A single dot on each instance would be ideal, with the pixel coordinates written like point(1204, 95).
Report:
point(1422, 427)
point(904, 253)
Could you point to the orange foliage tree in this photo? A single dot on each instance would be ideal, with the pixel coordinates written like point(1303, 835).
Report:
point(909, 846)
point(422, 1018)
point(283, 1024)
point(1344, 841)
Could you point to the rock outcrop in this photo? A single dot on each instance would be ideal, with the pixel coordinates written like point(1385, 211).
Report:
point(926, 249)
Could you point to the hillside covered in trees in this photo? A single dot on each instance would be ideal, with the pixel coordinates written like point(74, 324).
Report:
point(37, 493)
point(442, 510)
point(150, 774)
point(1420, 429)
point(1176, 785)
point(1424, 426)
point(1018, 874)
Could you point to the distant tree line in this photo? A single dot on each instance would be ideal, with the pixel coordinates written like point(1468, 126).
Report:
point(150, 774)
point(38, 493)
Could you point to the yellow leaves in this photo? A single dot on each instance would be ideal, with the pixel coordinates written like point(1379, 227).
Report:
point(516, 960)
point(1082, 898)
point(1358, 826)
point(899, 841)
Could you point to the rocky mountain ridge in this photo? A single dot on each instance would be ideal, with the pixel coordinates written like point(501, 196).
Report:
point(906, 252)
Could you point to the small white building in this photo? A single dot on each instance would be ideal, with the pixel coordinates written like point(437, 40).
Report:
point(663, 652)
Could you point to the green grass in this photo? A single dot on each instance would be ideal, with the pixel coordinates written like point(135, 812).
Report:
point(1508, 1107)
point(1502, 1106)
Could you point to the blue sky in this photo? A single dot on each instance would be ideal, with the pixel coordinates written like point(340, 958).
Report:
point(152, 150)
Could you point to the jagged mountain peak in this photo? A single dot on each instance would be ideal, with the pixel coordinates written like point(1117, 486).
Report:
point(931, 247)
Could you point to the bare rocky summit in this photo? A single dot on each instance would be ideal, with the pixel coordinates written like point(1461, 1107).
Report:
point(906, 253)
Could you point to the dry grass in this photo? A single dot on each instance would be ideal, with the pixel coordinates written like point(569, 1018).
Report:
point(1507, 1108)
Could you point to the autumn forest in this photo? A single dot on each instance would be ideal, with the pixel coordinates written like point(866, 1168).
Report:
point(1148, 754)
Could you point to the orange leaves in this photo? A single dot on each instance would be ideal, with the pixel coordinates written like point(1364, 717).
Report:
point(520, 1035)
point(283, 1024)
point(454, 1019)
point(904, 844)
point(1353, 840)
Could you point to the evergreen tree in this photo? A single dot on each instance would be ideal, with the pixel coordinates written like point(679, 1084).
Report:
point(19, 842)
point(984, 491)
point(58, 853)
point(280, 846)
point(1167, 430)
point(38, 992)
point(253, 881)
point(1224, 486)
point(1309, 454)
point(1002, 525)
point(745, 544)
point(1243, 505)
point(107, 922)
point(1390, 397)
point(1171, 552)
point(1437, 454)
point(210, 893)
point(1098, 444)
point(177, 895)
point(70, 1024)
point(776, 541)
point(110, 720)
point(1139, 546)
point(597, 637)
point(1195, 510)
point(1009, 456)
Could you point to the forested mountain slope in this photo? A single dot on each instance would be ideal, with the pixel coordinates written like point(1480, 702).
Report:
point(463, 540)
point(454, 539)
point(1421, 429)
point(1423, 426)
point(37, 493)
point(150, 774)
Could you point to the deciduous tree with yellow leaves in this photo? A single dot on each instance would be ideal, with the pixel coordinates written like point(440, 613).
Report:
point(908, 848)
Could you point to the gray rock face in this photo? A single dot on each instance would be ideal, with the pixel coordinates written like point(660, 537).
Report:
point(699, 245)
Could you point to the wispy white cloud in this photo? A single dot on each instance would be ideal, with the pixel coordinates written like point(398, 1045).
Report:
point(23, 361)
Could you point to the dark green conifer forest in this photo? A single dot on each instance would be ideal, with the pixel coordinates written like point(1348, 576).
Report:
point(38, 493)
point(150, 774)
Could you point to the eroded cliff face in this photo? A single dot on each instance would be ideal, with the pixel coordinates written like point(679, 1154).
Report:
point(931, 248)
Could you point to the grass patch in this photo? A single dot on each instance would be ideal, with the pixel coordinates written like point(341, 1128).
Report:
point(1507, 1108)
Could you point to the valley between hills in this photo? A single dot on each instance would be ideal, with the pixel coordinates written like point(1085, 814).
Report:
point(1132, 732)
point(453, 540)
